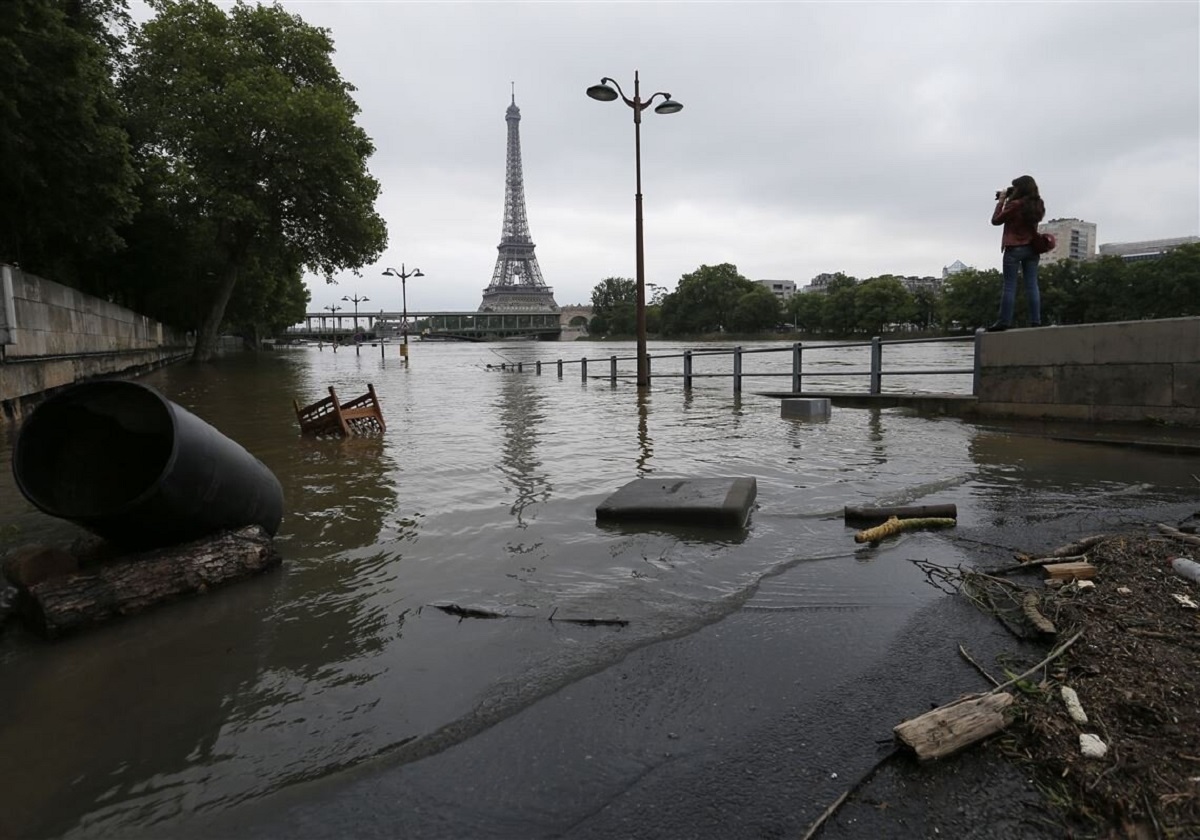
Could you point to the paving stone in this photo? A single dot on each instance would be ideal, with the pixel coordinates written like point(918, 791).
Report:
point(708, 502)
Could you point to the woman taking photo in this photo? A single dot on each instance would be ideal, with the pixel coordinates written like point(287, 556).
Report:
point(1019, 208)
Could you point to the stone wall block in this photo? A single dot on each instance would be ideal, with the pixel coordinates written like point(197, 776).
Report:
point(1133, 384)
point(1048, 411)
point(1165, 341)
point(1017, 384)
point(1186, 380)
point(1060, 345)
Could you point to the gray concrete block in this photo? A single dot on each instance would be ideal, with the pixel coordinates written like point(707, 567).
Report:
point(706, 502)
point(808, 408)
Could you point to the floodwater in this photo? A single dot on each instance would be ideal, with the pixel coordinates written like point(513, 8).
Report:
point(482, 494)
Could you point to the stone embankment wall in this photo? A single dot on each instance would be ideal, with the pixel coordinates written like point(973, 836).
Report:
point(1128, 371)
point(52, 336)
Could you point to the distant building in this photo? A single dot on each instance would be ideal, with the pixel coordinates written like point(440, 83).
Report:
point(915, 284)
point(953, 268)
point(782, 289)
point(1150, 249)
point(1076, 240)
point(821, 282)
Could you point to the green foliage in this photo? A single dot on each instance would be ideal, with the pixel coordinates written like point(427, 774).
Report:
point(705, 300)
point(755, 311)
point(614, 307)
point(67, 179)
point(971, 298)
point(879, 302)
point(807, 311)
point(246, 132)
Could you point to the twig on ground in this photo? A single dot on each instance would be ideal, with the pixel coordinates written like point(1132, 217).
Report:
point(837, 803)
point(978, 667)
point(1077, 547)
point(1037, 564)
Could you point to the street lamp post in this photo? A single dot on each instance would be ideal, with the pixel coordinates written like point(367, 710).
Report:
point(356, 300)
point(604, 93)
point(403, 275)
point(333, 308)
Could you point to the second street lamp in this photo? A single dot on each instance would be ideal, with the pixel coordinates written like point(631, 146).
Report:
point(356, 300)
point(604, 92)
point(337, 322)
point(403, 275)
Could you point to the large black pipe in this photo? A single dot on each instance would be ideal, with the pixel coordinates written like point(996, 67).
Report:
point(126, 463)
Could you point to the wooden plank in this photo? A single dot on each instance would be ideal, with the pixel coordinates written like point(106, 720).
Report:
point(949, 728)
point(1067, 571)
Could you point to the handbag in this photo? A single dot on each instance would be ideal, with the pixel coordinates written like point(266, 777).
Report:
point(1043, 242)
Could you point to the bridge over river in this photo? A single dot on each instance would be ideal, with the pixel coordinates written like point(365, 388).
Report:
point(442, 326)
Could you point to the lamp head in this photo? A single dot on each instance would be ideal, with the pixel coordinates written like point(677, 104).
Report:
point(417, 273)
point(602, 92)
point(389, 272)
point(668, 106)
point(345, 298)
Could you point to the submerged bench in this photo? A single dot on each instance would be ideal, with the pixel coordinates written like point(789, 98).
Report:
point(359, 416)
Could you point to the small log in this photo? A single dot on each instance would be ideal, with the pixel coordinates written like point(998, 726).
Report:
point(1029, 606)
point(1068, 571)
point(947, 729)
point(1070, 549)
point(895, 526)
point(137, 582)
point(869, 516)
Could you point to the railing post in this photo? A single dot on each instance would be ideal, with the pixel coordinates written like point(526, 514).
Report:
point(520, 366)
point(583, 368)
point(876, 365)
point(560, 368)
point(647, 370)
point(612, 369)
point(797, 350)
point(538, 367)
point(687, 370)
point(737, 370)
point(978, 362)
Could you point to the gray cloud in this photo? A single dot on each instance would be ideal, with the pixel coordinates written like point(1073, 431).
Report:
point(862, 137)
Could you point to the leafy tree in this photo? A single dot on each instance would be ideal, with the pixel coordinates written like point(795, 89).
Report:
point(926, 308)
point(756, 310)
point(971, 298)
point(248, 131)
point(840, 314)
point(67, 179)
point(1169, 287)
point(614, 307)
point(704, 300)
point(807, 311)
point(880, 301)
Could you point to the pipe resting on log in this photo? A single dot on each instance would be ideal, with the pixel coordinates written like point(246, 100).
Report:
point(870, 516)
point(140, 581)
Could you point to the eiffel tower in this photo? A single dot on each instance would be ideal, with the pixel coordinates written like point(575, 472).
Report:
point(517, 283)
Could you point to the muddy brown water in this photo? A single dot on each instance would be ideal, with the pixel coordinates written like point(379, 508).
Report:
point(482, 494)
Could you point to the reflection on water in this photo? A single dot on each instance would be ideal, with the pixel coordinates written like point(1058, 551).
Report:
point(481, 493)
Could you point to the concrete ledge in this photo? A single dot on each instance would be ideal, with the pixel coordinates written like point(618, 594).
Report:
point(805, 408)
point(705, 502)
point(953, 405)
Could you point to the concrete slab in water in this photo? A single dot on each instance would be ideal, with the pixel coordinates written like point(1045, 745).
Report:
point(707, 502)
point(815, 408)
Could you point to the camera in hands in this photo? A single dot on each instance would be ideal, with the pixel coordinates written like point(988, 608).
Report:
point(1004, 193)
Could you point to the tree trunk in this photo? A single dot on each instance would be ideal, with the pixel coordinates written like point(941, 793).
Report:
point(206, 340)
point(137, 582)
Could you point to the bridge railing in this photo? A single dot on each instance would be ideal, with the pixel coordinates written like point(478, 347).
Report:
point(738, 372)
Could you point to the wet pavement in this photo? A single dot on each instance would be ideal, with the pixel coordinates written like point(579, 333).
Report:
point(715, 734)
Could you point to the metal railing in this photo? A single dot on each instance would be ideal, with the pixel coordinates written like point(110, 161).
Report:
point(875, 373)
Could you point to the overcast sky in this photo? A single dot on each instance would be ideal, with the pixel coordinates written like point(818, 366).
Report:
point(867, 138)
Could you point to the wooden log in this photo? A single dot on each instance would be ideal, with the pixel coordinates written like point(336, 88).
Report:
point(1067, 571)
point(1030, 607)
point(137, 582)
point(895, 526)
point(947, 729)
point(868, 516)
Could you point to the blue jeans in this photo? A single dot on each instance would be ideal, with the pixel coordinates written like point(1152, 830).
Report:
point(1022, 260)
